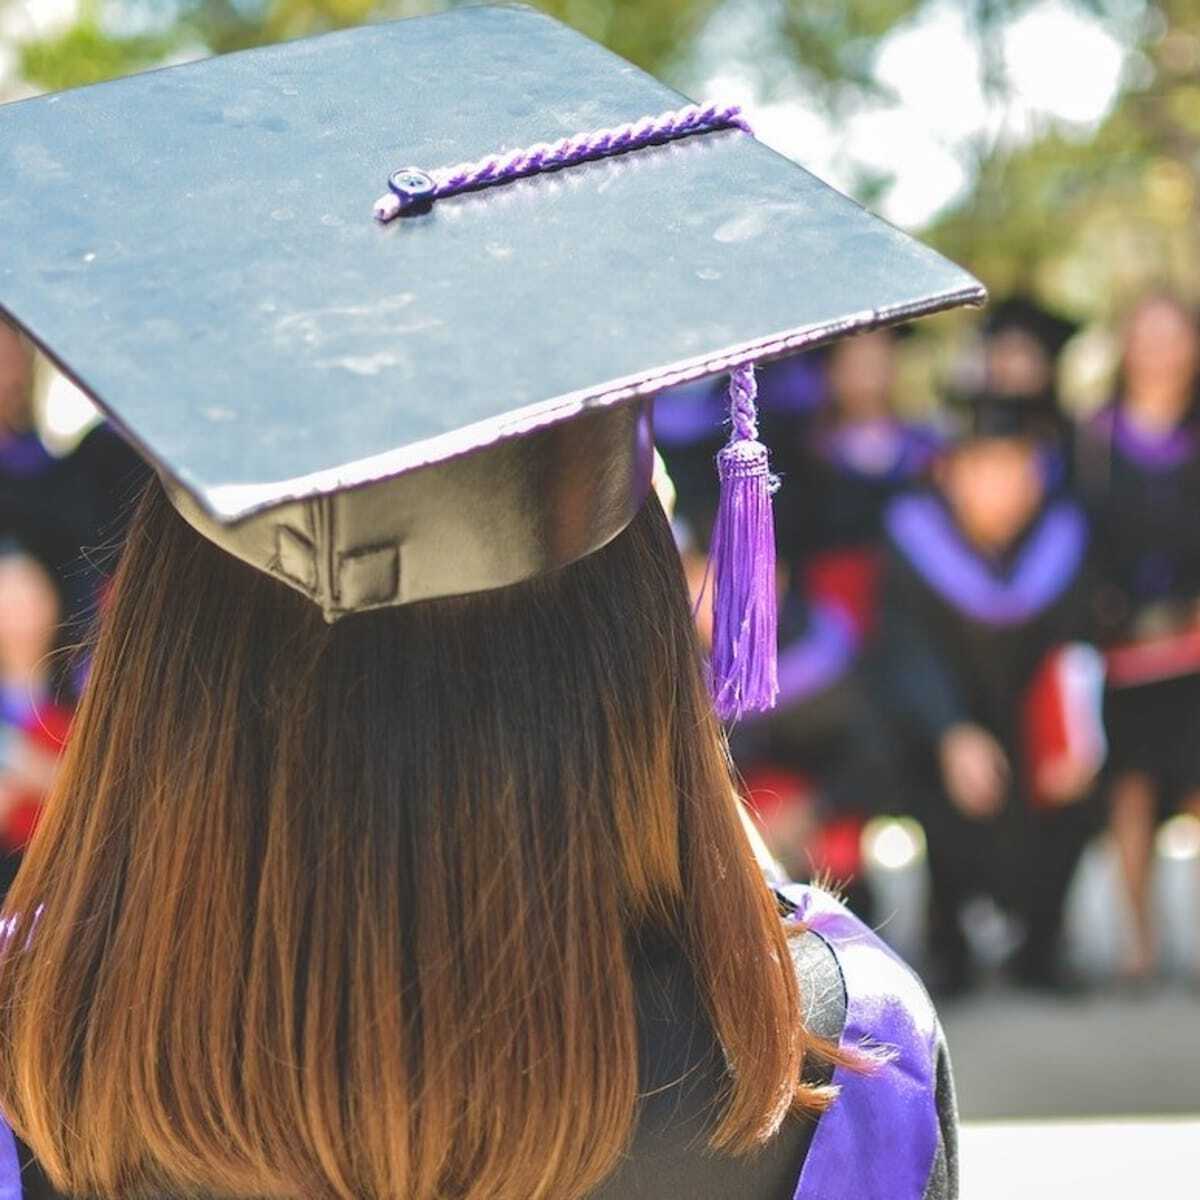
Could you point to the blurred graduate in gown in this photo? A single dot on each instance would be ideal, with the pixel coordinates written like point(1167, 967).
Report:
point(985, 595)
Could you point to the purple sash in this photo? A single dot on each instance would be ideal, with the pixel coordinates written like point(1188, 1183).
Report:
point(879, 1139)
point(882, 450)
point(1045, 566)
point(819, 658)
point(1151, 452)
point(22, 455)
point(10, 1165)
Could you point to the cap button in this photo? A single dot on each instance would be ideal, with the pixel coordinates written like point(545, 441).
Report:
point(412, 187)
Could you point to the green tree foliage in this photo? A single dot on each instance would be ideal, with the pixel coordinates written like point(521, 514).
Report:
point(1090, 221)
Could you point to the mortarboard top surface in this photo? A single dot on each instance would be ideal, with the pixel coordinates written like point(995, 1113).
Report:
point(196, 248)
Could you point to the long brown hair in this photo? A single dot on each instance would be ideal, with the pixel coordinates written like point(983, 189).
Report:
point(347, 911)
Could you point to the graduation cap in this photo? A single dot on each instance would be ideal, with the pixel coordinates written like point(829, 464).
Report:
point(996, 416)
point(1023, 314)
point(378, 411)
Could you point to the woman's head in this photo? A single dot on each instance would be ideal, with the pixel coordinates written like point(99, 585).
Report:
point(1161, 357)
point(347, 910)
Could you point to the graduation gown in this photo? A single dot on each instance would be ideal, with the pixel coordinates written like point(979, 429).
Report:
point(68, 513)
point(1143, 494)
point(962, 640)
point(843, 478)
point(891, 1135)
point(837, 482)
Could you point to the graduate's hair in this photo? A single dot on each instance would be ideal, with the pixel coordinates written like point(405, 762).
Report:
point(348, 910)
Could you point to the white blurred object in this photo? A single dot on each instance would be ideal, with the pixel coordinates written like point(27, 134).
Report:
point(1099, 1160)
point(893, 855)
point(664, 486)
point(1179, 838)
point(1177, 895)
point(771, 868)
point(1098, 925)
point(927, 149)
point(65, 413)
point(993, 934)
point(1033, 58)
point(893, 844)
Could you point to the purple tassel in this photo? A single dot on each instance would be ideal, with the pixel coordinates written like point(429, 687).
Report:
point(745, 620)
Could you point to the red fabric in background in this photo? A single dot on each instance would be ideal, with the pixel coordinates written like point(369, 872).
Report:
point(768, 789)
point(848, 579)
point(837, 852)
point(49, 727)
point(21, 822)
point(1062, 720)
point(45, 734)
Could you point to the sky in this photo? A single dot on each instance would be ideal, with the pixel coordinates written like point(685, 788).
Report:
point(927, 133)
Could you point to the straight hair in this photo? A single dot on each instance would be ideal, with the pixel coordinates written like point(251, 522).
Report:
point(347, 911)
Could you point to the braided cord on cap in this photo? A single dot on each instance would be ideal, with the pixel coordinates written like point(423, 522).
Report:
point(412, 189)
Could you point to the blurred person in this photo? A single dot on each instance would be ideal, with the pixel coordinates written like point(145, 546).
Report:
point(64, 512)
point(1021, 342)
point(1140, 473)
point(986, 580)
point(840, 470)
point(29, 617)
point(29, 622)
point(818, 764)
point(59, 520)
point(855, 456)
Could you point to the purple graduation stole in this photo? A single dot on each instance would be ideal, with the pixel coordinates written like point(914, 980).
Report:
point(879, 1139)
point(1046, 565)
point(10, 1165)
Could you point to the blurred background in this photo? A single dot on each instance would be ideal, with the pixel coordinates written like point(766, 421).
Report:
point(989, 528)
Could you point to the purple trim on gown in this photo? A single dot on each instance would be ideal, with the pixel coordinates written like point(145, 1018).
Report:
point(879, 1139)
point(22, 456)
point(10, 1165)
point(820, 657)
point(690, 413)
point(1153, 452)
point(884, 450)
point(1051, 557)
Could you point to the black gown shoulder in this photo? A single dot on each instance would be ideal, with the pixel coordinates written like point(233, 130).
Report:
point(682, 1071)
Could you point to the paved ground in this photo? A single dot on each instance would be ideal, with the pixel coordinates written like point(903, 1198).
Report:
point(1095, 1099)
point(1110, 1055)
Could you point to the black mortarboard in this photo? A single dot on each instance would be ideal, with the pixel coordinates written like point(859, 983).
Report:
point(992, 416)
point(378, 413)
point(1021, 312)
